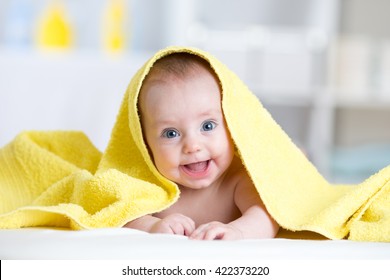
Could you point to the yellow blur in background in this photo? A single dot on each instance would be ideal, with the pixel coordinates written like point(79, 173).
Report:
point(114, 37)
point(54, 28)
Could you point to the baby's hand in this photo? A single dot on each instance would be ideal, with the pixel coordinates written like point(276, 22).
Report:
point(216, 230)
point(174, 224)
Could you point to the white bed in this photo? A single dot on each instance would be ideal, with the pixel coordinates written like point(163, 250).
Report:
point(120, 243)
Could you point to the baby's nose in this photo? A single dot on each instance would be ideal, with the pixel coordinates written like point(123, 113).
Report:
point(191, 145)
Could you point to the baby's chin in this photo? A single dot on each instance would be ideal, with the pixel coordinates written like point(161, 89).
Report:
point(194, 186)
point(198, 184)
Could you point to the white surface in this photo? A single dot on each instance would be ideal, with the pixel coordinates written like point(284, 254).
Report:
point(120, 243)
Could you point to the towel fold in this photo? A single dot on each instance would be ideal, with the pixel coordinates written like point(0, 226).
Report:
point(58, 178)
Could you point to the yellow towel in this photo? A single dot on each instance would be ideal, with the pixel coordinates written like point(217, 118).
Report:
point(60, 179)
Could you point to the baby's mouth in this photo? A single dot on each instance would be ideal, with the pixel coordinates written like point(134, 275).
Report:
point(197, 167)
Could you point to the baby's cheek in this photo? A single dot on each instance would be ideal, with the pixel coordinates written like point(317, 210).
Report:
point(166, 162)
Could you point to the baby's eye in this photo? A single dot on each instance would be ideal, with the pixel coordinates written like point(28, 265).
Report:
point(170, 133)
point(208, 125)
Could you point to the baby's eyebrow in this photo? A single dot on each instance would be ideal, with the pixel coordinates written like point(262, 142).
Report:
point(212, 113)
point(171, 122)
point(163, 123)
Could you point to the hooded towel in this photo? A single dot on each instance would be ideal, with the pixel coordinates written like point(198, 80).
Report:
point(59, 179)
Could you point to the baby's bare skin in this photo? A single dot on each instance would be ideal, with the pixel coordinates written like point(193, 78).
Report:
point(215, 216)
point(187, 136)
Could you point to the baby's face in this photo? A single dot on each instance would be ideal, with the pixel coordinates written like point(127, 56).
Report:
point(185, 129)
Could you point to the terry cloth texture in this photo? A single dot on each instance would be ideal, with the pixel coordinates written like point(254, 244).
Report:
point(58, 178)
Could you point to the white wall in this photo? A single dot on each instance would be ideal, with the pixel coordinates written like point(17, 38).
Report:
point(79, 91)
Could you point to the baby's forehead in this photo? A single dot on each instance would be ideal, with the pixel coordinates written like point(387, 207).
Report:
point(172, 72)
point(157, 73)
point(158, 77)
point(179, 66)
point(155, 79)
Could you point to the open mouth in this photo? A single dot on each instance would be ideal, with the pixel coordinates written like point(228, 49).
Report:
point(196, 168)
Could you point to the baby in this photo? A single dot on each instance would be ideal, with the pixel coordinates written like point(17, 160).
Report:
point(188, 140)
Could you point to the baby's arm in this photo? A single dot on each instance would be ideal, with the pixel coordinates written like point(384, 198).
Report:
point(173, 224)
point(255, 221)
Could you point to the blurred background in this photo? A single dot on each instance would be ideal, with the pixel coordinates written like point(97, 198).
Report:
point(320, 67)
